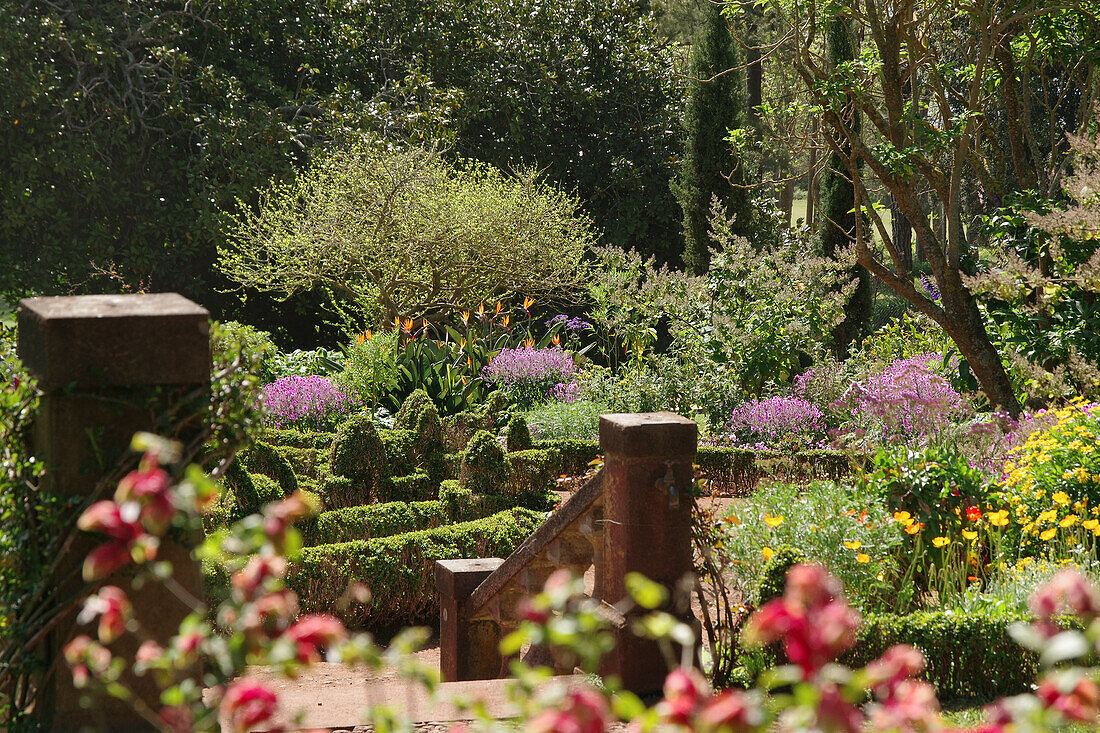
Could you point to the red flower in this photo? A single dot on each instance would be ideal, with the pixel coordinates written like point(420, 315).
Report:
point(250, 579)
point(149, 487)
point(128, 540)
point(1077, 698)
point(314, 631)
point(899, 662)
point(730, 711)
point(113, 609)
point(582, 711)
point(248, 704)
point(973, 513)
point(1068, 589)
point(685, 689)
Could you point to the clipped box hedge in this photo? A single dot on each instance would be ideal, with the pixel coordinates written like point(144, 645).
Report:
point(970, 657)
point(400, 569)
point(289, 438)
point(379, 520)
point(573, 455)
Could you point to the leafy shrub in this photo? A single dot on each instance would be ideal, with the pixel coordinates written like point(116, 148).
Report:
point(303, 363)
point(577, 420)
point(906, 402)
point(778, 423)
point(516, 435)
point(359, 453)
point(370, 369)
point(970, 657)
point(262, 458)
point(307, 463)
point(341, 491)
point(935, 485)
point(484, 470)
point(526, 375)
point(460, 427)
point(428, 429)
point(400, 570)
point(291, 438)
point(401, 457)
point(574, 456)
point(380, 520)
point(416, 486)
point(407, 415)
point(530, 472)
point(310, 403)
point(773, 576)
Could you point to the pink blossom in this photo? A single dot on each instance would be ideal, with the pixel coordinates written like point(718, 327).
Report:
point(315, 631)
point(582, 711)
point(685, 690)
point(1075, 698)
point(250, 579)
point(1067, 590)
point(113, 609)
point(248, 704)
point(128, 540)
point(149, 487)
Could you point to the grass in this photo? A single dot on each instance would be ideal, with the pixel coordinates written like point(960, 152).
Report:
point(798, 211)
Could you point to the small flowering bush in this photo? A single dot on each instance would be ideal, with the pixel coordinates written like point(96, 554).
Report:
point(907, 402)
point(528, 374)
point(308, 403)
point(1059, 464)
point(778, 423)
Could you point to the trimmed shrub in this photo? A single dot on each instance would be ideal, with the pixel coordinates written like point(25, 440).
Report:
point(377, 520)
point(970, 656)
point(773, 577)
point(359, 453)
point(517, 437)
point(575, 455)
point(728, 470)
point(454, 497)
point(401, 457)
point(240, 485)
point(409, 412)
point(459, 428)
point(531, 472)
point(308, 463)
point(265, 459)
point(291, 438)
point(429, 432)
point(399, 570)
point(483, 469)
point(341, 491)
point(417, 486)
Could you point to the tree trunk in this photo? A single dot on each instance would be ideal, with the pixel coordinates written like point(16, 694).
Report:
point(902, 235)
point(786, 202)
point(811, 189)
point(966, 328)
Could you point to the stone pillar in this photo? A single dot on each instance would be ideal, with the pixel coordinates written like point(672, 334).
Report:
point(108, 366)
point(468, 649)
point(647, 477)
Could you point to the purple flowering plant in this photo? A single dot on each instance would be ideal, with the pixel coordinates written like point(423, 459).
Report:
point(307, 403)
point(778, 423)
point(906, 402)
point(527, 374)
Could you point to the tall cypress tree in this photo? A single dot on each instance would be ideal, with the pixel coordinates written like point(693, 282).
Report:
point(715, 105)
point(837, 229)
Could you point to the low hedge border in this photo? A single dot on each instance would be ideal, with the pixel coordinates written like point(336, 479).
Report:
point(400, 570)
point(970, 657)
point(264, 458)
point(573, 455)
point(289, 438)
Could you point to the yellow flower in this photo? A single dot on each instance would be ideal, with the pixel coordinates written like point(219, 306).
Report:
point(854, 545)
point(914, 527)
point(970, 534)
point(1062, 497)
point(903, 517)
point(1049, 515)
point(1048, 534)
point(940, 541)
point(1068, 521)
point(1090, 524)
point(863, 558)
point(999, 519)
point(773, 521)
point(768, 552)
point(734, 520)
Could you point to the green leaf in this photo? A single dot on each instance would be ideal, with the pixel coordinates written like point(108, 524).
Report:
point(645, 592)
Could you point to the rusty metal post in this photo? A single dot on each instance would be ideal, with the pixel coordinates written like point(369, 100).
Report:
point(648, 462)
point(107, 365)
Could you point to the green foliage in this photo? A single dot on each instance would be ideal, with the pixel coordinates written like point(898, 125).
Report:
point(935, 485)
point(406, 417)
point(531, 472)
point(428, 429)
point(854, 538)
point(378, 520)
point(574, 455)
point(359, 453)
point(371, 367)
point(837, 232)
point(516, 435)
point(342, 491)
point(578, 420)
point(262, 458)
point(414, 487)
point(399, 570)
point(773, 576)
point(386, 233)
point(459, 428)
point(483, 469)
point(291, 438)
point(234, 411)
point(309, 463)
point(400, 453)
point(716, 104)
point(970, 657)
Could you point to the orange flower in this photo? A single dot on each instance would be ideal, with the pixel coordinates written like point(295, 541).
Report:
point(369, 335)
point(504, 321)
point(853, 545)
point(397, 321)
point(941, 541)
point(465, 317)
point(408, 324)
point(360, 339)
point(498, 307)
point(528, 302)
point(529, 343)
point(556, 340)
point(481, 309)
point(863, 558)
point(914, 527)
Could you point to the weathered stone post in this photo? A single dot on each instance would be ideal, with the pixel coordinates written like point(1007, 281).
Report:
point(647, 478)
point(108, 365)
point(468, 650)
